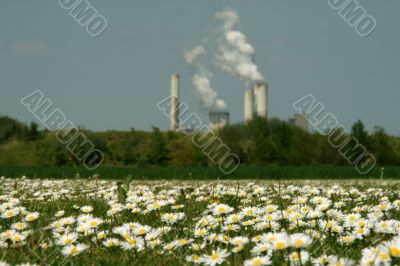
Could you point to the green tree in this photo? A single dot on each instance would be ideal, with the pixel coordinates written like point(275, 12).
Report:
point(33, 132)
point(359, 133)
point(11, 128)
point(181, 151)
point(381, 148)
point(157, 150)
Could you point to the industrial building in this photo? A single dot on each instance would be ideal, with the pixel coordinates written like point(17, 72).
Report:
point(300, 121)
point(255, 104)
point(218, 120)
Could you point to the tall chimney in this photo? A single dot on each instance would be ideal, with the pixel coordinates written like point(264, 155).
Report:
point(174, 123)
point(248, 104)
point(261, 92)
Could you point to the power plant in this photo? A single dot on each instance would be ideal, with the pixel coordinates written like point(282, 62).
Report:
point(255, 104)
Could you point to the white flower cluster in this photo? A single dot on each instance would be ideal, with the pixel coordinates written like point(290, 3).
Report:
point(208, 223)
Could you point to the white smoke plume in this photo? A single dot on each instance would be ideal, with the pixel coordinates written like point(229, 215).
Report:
point(202, 80)
point(192, 55)
point(235, 54)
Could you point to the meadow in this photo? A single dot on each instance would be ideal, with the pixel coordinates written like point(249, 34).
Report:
point(251, 222)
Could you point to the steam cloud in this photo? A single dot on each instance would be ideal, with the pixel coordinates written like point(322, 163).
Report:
point(202, 80)
point(235, 57)
point(192, 55)
point(235, 52)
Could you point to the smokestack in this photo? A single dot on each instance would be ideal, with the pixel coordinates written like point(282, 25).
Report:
point(248, 105)
point(261, 92)
point(174, 123)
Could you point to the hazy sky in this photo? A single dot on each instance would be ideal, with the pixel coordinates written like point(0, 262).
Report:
point(114, 81)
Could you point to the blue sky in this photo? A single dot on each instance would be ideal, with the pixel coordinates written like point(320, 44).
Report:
point(115, 80)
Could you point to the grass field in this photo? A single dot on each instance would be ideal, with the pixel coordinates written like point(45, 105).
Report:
point(203, 173)
point(110, 222)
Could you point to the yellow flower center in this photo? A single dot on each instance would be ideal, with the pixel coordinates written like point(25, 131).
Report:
point(73, 250)
point(280, 245)
point(20, 225)
point(394, 252)
point(93, 223)
point(298, 242)
point(256, 262)
point(214, 256)
point(383, 256)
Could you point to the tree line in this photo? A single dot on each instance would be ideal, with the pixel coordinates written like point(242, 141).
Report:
point(258, 142)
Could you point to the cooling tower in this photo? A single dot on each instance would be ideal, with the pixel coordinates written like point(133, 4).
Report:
point(248, 104)
point(174, 116)
point(261, 93)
